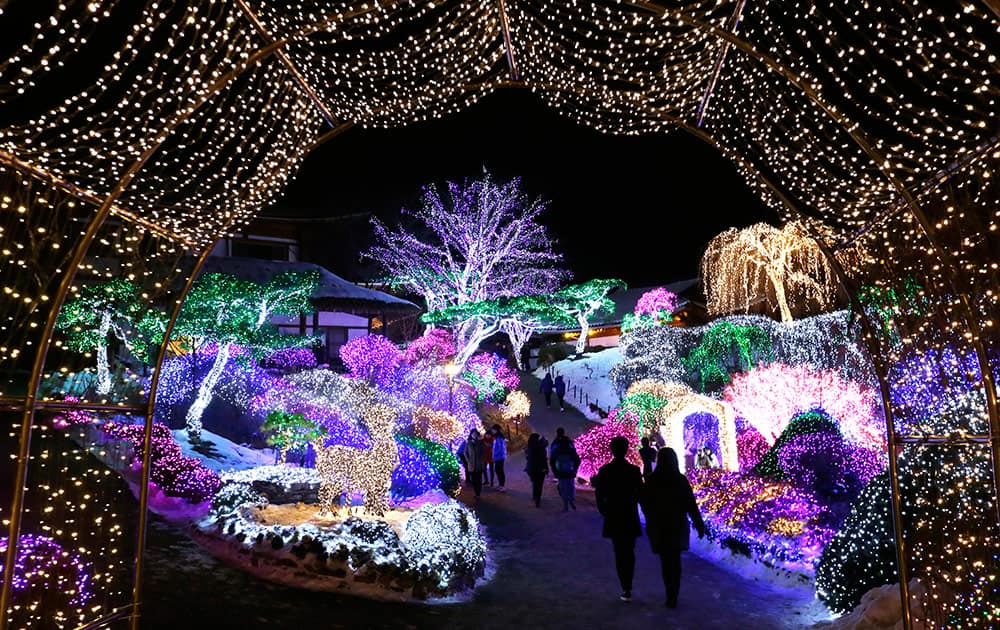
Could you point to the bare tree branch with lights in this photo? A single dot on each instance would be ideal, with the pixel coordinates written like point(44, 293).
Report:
point(784, 269)
point(482, 241)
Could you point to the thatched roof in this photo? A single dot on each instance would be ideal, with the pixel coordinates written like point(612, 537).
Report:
point(333, 294)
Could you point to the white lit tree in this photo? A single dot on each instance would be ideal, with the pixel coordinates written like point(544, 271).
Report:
point(113, 308)
point(582, 301)
point(481, 241)
point(228, 311)
point(782, 268)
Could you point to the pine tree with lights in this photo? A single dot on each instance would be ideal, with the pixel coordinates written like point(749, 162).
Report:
point(481, 241)
point(113, 308)
point(231, 312)
point(583, 301)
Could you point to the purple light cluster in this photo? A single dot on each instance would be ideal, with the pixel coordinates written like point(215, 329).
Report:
point(290, 359)
point(701, 429)
point(938, 389)
point(825, 462)
point(372, 357)
point(435, 347)
point(750, 447)
point(170, 470)
point(490, 364)
point(42, 564)
point(775, 522)
point(71, 417)
point(652, 302)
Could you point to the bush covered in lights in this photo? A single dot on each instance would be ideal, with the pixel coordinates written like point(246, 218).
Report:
point(169, 469)
point(44, 568)
point(372, 357)
point(424, 465)
point(490, 376)
point(290, 359)
point(594, 446)
point(441, 550)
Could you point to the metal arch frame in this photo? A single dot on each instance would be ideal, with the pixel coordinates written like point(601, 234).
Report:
point(109, 206)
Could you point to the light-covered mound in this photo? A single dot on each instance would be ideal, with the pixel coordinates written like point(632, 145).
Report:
point(434, 551)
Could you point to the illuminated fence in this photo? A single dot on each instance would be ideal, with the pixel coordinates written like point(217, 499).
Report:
point(125, 157)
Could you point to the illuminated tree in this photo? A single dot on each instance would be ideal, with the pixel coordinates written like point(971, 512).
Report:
point(110, 308)
point(528, 313)
point(582, 301)
point(228, 311)
point(482, 242)
point(291, 432)
point(782, 268)
point(435, 347)
point(474, 322)
point(726, 348)
point(654, 308)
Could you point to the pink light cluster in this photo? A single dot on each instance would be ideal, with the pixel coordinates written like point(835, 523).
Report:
point(594, 446)
point(434, 347)
point(769, 396)
point(655, 300)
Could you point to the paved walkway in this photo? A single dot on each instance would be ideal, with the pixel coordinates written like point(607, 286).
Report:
point(552, 570)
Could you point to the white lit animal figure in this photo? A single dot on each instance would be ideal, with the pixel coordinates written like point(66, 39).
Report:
point(346, 469)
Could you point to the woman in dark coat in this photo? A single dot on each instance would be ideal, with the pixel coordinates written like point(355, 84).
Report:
point(668, 501)
point(536, 464)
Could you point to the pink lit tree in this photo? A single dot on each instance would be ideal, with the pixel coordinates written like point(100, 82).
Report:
point(481, 241)
point(435, 347)
point(594, 446)
point(769, 396)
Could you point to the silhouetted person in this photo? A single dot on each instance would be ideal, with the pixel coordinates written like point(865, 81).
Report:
point(560, 386)
point(536, 464)
point(648, 455)
point(564, 462)
point(668, 502)
point(617, 486)
point(546, 388)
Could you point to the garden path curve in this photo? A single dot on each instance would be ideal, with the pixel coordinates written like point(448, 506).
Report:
point(552, 570)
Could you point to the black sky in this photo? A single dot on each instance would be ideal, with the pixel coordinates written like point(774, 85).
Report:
point(638, 208)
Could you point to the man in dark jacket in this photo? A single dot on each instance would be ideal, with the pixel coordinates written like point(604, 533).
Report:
point(617, 486)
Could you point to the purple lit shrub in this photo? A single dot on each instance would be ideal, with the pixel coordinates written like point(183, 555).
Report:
point(414, 476)
point(43, 567)
point(491, 377)
point(435, 347)
point(657, 300)
point(71, 417)
point(825, 463)
point(372, 357)
point(290, 359)
point(170, 470)
point(771, 521)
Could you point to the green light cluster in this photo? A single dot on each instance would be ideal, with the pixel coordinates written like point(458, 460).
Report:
point(886, 304)
point(291, 432)
point(645, 407)
point(815, 421)
point(726, 348)
point(443, 461)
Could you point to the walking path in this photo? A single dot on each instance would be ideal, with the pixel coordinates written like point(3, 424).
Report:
point(552, 570)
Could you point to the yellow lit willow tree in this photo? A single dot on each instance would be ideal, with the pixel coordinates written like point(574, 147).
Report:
point(783, 268)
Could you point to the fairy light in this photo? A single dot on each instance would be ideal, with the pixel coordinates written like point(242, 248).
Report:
point(783, 268)
point(840, 107)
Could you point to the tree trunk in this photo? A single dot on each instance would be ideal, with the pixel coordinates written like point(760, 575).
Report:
point(581, 342)
point(103, 371)
point(193, 418)
point(779, 294)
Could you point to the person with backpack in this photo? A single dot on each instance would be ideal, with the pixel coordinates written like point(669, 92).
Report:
point(564, 462)
point(546, 388)
point(560, 386)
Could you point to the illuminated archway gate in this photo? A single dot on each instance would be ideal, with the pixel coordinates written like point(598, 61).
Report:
point(878, 126)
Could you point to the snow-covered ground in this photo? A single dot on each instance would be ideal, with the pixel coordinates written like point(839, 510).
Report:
point(587, 381)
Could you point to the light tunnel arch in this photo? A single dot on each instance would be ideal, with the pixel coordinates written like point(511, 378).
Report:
point(107, 209)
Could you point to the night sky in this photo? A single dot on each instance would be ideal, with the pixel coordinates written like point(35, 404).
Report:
point(638, 208)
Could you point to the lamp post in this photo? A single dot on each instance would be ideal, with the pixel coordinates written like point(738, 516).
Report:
point(451, 370)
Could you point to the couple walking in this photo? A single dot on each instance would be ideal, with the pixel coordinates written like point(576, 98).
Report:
point(484, 458)
point(667, 502)
point(561, 458)
point(558, 386)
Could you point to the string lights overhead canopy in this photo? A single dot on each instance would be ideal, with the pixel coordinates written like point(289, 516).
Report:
point(844, 108)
